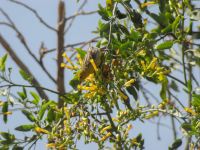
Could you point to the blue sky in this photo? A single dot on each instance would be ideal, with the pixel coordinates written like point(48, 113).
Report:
point(36, 33)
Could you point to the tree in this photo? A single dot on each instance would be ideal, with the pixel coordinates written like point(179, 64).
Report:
point(134, 47)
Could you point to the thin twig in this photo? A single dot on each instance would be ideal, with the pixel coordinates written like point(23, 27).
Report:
point(73, 19)
point(18, 61)
point(24, 43)
point(35, 13)
point(81, 13)
point(73, 45)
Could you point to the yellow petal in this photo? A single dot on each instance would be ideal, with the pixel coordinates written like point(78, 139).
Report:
point(147, 4)
point(93, 64)
point(129, 83)
point(41, 130)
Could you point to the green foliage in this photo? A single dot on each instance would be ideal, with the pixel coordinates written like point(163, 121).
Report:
point(3, 62)
point(137, 51)
point(25, 128)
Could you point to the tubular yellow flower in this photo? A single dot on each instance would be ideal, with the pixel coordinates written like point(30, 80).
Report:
point(105, 129)
point(79, 59)
point(67, 58)
point(190, 111)
point(40, 130)
point(115, 119)
point(143, 65)
point(63, 65)
point(90, 88)
point(152, 64)
point(89, 95)
point(147, 4)
point(105, 137)
point(141, 53)
point(129, 83)
point(93, 64)
point(129, 127)
point(90, 78)
point(122, 95)
point(51, 145)
point(1, 103)
point(7, 113)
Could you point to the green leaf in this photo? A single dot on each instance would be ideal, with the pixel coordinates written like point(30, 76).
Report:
point(196, 100)
point(22, 95)
point(25, 128)
point(164, 45)
point(163, 92)
point(189, 86)
point(104, 13)
point(174, 86)
point(3, 62)
point(131, 90)
point(25, 75)
point(81, 52)
point(36, 98)
point(16, 147)
point(43, 109)
point(177, 143)
point(160, 19)
point(166, 29)
point(29, 115)
point(4, 110)
point(51, 115)
point(7, 136)
point(175, 24)
point(123, 29)
point(187, 127)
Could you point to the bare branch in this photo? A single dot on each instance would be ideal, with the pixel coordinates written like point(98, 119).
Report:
point(24, 43)
point(60, 50)
point(35, 13)
point(74, 45)
point(80, 14)
point(72, 20)
point(18, 61)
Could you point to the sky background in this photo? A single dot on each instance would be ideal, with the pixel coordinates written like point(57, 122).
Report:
point(36, 33)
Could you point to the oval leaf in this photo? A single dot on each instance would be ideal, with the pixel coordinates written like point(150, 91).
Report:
point(165, 45)
point(25, 128)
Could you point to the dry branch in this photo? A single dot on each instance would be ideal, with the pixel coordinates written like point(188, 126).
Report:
point(18, 61)
point(60, 50)
point(35, 13)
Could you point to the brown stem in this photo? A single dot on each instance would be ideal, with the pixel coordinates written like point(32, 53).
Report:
point(60, 50)
point(18, 61)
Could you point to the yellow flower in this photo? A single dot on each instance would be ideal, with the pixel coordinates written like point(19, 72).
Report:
point(67, 58)
point(51, 145)
point(105, 137)
point(152, 64)
point(190, 111)
point(89, 95)
point(105, 129)
point(7, 113)
point(63, 65)
point(129, 83)
point(129, 127)
point(88, 88)
point(79, 59)
point(93, 64)
point(122, 95)
point(41, 130)
point(115, 119)
point(148, 4)
point(1, 103)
